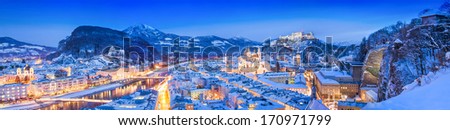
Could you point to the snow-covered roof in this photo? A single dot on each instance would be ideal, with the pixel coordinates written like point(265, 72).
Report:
point(282, 85)
point(352, 104)
point(276, 74)
point(432, 96)
point(433, 12)
point(342, 74)
point(267, 105)
point(316, 105)
point(13, 85)
point(398, 41)
point(372, 94)
point(324, 80)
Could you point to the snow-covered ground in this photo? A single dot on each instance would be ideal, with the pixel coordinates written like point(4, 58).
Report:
point(431, 95)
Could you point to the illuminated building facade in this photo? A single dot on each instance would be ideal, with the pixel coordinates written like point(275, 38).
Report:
point(12, 92)
point(25, 75)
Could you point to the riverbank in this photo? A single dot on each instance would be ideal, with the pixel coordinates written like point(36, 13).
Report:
point(36, 105)
point(90, 91)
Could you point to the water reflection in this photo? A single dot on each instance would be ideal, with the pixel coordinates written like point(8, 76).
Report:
point(105, 95)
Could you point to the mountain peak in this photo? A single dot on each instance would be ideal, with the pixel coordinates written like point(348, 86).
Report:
point(142, 27)
point(145, 26)
point(145, 32)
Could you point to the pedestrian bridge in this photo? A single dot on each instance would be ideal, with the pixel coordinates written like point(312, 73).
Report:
point(72, 100)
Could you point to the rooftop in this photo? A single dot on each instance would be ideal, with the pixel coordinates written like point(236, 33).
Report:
point(324, 80)
point(12, 85)
point(316, 105)
point(434, 12)
point(352, 104)
point(341, 74)
point(398, 41)
point(276, 74)
point(282, 85)
point(267, 105)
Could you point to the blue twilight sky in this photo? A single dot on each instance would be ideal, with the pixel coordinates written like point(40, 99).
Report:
point(46, 22)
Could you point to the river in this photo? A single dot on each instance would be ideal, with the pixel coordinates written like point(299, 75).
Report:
point(104, 95)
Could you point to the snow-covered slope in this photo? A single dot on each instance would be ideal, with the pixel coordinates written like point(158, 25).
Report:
point(431, 95)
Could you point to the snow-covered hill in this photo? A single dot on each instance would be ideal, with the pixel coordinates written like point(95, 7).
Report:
point(431, 95)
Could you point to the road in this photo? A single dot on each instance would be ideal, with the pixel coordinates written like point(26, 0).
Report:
point(163, 102)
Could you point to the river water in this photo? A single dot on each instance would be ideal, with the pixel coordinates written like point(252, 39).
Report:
point(105, 95)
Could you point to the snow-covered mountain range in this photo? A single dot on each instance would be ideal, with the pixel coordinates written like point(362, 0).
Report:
point(89, 41)
point(10, 47)
point(158, 38)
